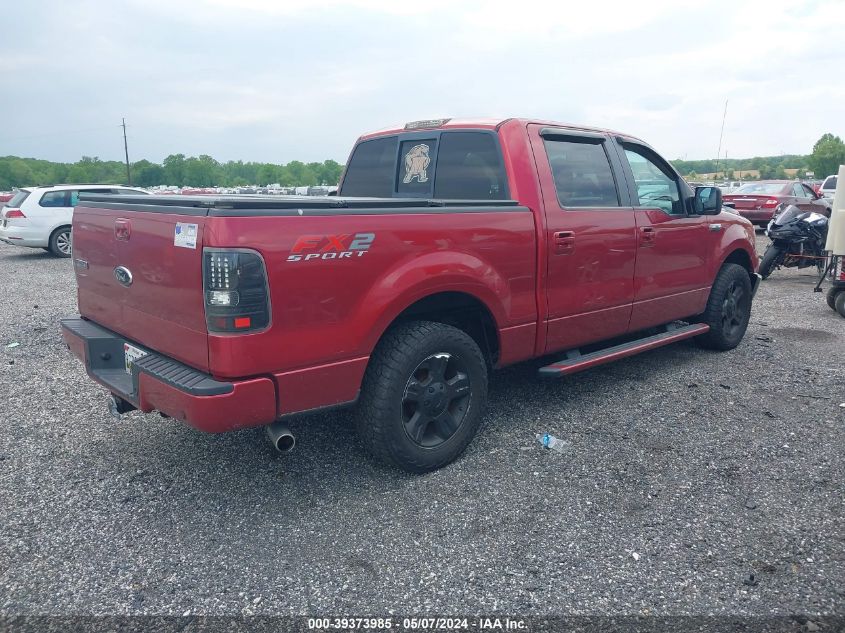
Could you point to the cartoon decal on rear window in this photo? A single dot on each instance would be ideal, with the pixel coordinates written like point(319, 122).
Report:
point(416, 163)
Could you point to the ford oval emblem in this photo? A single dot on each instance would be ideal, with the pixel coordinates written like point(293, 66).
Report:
point(123, 276)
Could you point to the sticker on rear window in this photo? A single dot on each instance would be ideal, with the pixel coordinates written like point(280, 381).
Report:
point(417, 161)
point(185, 235)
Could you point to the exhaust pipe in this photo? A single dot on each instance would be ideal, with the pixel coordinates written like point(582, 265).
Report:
point(280, 436)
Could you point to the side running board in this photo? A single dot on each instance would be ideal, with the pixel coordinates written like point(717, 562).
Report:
point(575, 361)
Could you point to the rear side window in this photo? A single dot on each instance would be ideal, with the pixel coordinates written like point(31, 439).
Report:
point(17, 199)
point(469, 167)
point(798, 191)
point(582, 174)
point(54, 199)
point(830, 183)
point(371, 169)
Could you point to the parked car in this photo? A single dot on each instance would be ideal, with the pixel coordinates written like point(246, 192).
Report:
point(40, 217)
point(828, 187)
point(453, 248)
point(757, 201)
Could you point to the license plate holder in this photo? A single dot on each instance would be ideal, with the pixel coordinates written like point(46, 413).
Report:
point(131, 354)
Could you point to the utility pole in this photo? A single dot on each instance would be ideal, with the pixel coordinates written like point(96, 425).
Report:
point(126, 151)
point(719, 151)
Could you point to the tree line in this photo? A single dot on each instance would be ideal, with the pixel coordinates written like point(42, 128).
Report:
point(828, 153)
point(203, 171)
point(177, 170)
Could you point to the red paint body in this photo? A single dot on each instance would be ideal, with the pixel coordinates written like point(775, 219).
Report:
point(551, 278)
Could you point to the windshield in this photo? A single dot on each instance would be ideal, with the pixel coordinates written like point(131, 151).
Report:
point(17, 199)
point(766, 188)
point(830, 183)
point(790, 212)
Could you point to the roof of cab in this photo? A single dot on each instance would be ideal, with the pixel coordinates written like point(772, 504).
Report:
point(490, 124)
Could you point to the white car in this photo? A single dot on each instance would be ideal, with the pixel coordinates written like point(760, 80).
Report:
point(828, 187)
point(40, 217)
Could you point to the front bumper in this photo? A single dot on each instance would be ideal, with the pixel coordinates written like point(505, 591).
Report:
point(159, 383)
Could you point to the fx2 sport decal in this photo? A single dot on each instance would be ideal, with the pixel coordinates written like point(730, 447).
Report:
point(343, 246)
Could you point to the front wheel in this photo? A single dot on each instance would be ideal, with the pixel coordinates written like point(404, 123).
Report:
point(728, 309)
point(771, 258)
point(423, 396)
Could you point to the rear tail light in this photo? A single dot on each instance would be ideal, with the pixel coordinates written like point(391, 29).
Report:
point(770, 203)
point(13, 213)
point(235, 290)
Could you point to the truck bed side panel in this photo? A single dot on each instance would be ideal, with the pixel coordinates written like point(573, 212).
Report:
point(333, 301)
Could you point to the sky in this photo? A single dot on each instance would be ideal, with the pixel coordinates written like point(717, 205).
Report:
point(276, 80)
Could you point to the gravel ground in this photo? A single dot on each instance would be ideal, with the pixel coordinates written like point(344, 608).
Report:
point(689, 472)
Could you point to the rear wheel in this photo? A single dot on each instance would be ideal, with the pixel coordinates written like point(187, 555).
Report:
point(423, 396)
point(771, 258)
point(728, 309)
point(60, 243)
point(831, 297)
point(839, 304)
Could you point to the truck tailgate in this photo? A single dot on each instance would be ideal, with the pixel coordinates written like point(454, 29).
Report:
point(140, 274)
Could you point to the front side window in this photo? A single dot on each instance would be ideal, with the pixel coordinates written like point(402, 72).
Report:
point(656, 186)
point(53, 199)
point(582, 174)
point(370, 171)
point(469, 167)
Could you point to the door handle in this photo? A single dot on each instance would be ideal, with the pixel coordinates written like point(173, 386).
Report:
point(647, 236)
point(564, 242)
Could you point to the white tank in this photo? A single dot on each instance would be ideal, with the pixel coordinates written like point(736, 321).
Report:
point(836, 228)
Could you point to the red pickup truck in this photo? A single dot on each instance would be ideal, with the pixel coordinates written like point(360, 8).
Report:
point(453, 247)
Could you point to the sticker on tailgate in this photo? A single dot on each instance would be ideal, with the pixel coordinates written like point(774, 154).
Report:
point(185, 235)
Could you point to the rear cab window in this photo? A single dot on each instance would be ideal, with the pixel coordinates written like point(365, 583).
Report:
point(448, 164)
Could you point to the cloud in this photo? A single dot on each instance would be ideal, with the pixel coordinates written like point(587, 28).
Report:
point(278, 80)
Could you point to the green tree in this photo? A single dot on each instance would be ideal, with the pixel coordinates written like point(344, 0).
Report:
point(201, 172)
point(828, 154)
point(174, 169)
point(147, 174)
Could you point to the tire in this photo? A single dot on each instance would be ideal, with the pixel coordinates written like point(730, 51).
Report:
point(728, 309)
point(60, 242)
point(831, 297)
point(771, 258)
point(839, 304)
point(423, 396)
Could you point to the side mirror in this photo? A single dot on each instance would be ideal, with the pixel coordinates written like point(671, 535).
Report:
point(707, 201)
